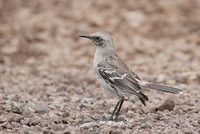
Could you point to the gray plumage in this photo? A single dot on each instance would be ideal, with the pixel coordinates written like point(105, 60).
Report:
point(115, 76)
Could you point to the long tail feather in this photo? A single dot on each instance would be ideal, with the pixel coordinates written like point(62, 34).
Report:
point(162, 88)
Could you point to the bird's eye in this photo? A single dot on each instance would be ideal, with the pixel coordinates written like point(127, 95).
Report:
point(97, 38)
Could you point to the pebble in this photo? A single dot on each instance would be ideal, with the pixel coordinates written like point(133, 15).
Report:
point(2, 119)
point(146, 125)
point(67, 132)
point(27, 130)
point(65, 114)
point(48, 132)
point(41, 109)
point(167, 105)
point(16, 108)
point(34, 121)
point(89, 124)
point(187, 131)
point(66, 120)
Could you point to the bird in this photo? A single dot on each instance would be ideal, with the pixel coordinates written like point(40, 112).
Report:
point(115, 76)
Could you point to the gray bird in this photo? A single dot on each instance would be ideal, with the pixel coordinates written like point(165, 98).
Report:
point(115, 76)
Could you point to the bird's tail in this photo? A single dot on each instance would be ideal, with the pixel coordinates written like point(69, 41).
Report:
point(162, 88)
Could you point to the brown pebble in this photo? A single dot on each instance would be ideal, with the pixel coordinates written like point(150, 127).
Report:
point(166, 105)
point(66, 120)
point(65, 114)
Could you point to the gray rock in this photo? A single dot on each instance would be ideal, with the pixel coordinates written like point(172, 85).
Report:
point(48, 132)
point(2, 119)
point(16, 108)
point(41, 109)
point(34, 121)
point(27, 130)
point(25, 121)
point(65, 114)
point(146, 125)
point(66, 120)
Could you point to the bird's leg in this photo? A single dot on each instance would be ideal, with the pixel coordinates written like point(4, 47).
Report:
point(113, 113)
point(118, 110)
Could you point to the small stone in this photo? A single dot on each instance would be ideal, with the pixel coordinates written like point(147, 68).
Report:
point(48, 132)
point(65, 114)
point(2, 119)
point(161, 78)
point(62, 88)
point(87, 125)
point(116, 132)
point(17, 118)
point(41, 109)
point(66, 120)
point(34, 121)
point(145, 125)
point(187, 131)
point(107, 130)
point(16, 124)
point(67, 132)
point(167, 105)
point(25, 121)
point(16, 108)
point(27, 112)
point(4, 125)
point(27, 130)
point(199, 121)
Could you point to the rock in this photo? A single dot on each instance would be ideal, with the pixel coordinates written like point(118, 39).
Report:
point(16, 124)
point(61, 89)
point(167, 105)
point(16, 108)
point(187, 131)
point(34, 121)
point(146, 125)
point(27, 112)
point(25, 121)
point(48, 132)
point(115, 132)
point(66, 120)
point(16, 118)
point(65, 114)
point(67, 132)
point(41, 109)
point(87, 125)
point(27, 130)
point(2, 119)
point(161, 78)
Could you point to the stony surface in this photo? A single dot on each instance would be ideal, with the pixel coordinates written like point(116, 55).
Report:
point(46, 78)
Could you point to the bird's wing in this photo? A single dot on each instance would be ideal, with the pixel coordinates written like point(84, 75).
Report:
point(120, 77)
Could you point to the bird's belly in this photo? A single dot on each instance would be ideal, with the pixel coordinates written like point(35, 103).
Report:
point(118, 92)
point(103, 83)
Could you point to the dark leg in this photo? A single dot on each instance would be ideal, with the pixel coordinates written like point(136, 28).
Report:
point(120, 105)
point(113, 113)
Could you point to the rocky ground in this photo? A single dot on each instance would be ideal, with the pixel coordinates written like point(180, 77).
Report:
point(47, 83)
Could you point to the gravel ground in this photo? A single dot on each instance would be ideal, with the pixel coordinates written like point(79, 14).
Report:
point(47, 83)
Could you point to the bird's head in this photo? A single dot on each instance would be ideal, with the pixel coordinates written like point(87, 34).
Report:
point(100, 39)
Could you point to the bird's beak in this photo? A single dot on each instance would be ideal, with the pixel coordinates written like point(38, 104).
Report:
point(85, 36)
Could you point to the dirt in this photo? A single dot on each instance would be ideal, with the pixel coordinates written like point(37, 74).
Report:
point(47, 84)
